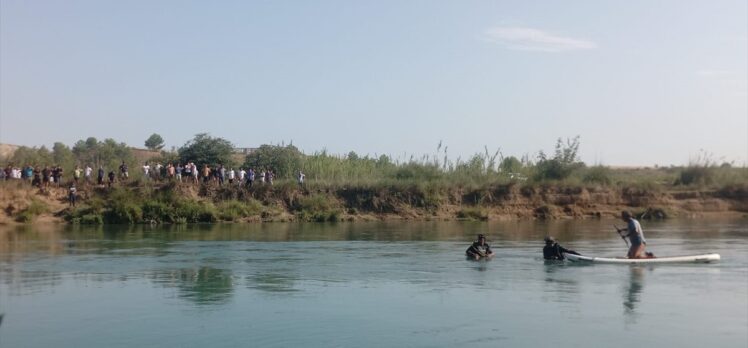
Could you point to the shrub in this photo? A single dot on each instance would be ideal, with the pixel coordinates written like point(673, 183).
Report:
point(696, 175)
point(317, 208)
point(193, 211)
point(35, 208)
point(124, 213)
point(597, 175)
point(90, 215)
point(233, 210)
point(562, 164)
point(157, 211)
point(91, 219)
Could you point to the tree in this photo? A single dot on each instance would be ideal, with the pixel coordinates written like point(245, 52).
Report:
point(561, 165)
point(154, 142)
point(31, 156)
point(284, 161)
point(107, 153)
point(204, 149)
point(511, 165)
point(62, 155)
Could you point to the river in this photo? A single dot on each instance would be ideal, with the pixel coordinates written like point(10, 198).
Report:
point(374, 284)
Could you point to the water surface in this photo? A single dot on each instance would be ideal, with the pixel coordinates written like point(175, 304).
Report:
point(368, 285)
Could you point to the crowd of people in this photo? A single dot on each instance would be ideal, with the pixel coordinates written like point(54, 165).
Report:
point(43, 177)
point(207, 174)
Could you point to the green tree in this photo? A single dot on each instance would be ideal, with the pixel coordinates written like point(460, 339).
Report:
point(62, 155)
point(108, 153)
point(563, 162)
point(204, 149)
point(31, 156)
point(283, 160)
point(154, 142)
point(511, 165)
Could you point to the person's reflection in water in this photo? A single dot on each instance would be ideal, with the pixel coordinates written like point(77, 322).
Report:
point(635, 286)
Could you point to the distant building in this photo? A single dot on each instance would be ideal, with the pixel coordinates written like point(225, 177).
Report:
point(244, 150)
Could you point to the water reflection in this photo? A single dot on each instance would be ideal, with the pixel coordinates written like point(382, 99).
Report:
point(202, 286)
point(561, 285)
point(272, 282)
point(633, 289)
point(23, 282)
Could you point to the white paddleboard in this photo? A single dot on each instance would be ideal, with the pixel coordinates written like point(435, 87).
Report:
point(705, 258)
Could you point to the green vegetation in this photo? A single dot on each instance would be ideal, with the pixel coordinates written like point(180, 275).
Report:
point(597, 175)
point(108, 154)
point(318, 208)
point(154, 142)
point(35, 208)
point(338, 186)
point(204, 149)
point(285, 161)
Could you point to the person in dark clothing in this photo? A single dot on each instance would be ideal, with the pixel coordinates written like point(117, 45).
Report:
point(37, 178)
point(479, 249)
point(100, 176)
point(554, 251)
point(111, 178)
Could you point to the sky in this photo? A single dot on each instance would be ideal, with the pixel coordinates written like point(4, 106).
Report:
point(641, 82)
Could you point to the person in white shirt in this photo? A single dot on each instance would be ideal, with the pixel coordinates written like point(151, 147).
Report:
point(232, 175)
point(147, 170)
point(87, 174)
point(242, 175)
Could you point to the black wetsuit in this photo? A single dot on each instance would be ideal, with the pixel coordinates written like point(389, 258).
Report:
point(477, 249)
point(555, 252)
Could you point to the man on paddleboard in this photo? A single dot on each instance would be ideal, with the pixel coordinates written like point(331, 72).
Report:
point(635, 235)
point(479, 249)
point(554, 251)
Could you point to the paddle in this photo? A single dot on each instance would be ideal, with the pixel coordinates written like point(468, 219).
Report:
point(622, 237)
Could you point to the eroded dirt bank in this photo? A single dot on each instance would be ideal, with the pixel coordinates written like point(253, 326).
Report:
point(23, 204)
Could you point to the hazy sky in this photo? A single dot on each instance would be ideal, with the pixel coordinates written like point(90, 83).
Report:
point(642, 82)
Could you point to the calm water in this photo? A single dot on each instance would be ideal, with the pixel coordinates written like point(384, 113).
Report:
point(367, 285)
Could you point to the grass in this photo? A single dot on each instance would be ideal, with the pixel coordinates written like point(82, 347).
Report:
point(473, 213)
point(317, 207)
point(34, 209)
point(379, 184)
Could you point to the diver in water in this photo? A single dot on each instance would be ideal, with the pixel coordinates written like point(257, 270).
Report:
point(554, 251)
point(479, 249)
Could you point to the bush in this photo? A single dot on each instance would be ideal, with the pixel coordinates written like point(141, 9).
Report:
point(317, 208)
point(90, 215)
point(157, 211)
point(696, 175)
point(233, 210)
point(90, 219)
point(193, 211)
point(562, 164)
point(35, 208)
point(416, 171)
point(597, 175)
point(124, 213)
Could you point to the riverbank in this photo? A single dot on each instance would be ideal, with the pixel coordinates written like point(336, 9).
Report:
point(168, 203)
